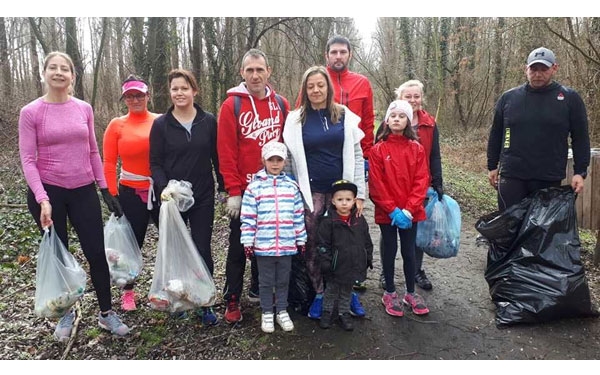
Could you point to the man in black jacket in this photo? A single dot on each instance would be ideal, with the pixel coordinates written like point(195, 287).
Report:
point(528, 143)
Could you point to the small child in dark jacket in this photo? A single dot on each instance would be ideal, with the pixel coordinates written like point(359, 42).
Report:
point(345, 251)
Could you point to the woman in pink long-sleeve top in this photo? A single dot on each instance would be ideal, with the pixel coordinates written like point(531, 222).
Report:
point(62, 167)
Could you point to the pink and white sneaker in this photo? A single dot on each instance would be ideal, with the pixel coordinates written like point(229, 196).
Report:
point(392, 304)
point(417, 303)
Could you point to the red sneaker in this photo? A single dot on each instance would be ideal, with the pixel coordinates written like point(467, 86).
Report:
point(232, 312)
point(128, 300)
point(417, 303)
point(392, 304)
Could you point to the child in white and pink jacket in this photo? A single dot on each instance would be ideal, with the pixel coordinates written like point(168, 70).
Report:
point(273, 230)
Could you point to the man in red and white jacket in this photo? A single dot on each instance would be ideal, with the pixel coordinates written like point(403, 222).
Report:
point(251, 116)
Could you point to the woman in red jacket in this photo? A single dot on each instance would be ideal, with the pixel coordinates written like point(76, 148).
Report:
point(398, 184)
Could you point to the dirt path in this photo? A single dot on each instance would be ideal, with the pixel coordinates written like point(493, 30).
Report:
point(459, 326)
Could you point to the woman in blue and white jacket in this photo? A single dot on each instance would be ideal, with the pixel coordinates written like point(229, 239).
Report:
point(273, 229)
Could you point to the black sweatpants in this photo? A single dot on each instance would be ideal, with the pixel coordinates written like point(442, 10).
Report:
point(82, 207)
point(236, 264)
point(513, 190)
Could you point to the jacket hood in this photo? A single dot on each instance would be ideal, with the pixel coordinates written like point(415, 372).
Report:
point(263, 175)
point(242, 90)
point(425, 118)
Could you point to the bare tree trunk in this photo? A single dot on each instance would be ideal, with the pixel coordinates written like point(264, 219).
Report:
point(138, 47)
point(99, 60)
point(119, 25)
point(498, 53)
point(444, 34)
point(4, 63)
point(35, 29)
point(158, 56)
point(409, 60)
point(196, 45)
point(251, 39)
point(35, 62)
point(214, 63)
point(173, 42)
point(73, 51)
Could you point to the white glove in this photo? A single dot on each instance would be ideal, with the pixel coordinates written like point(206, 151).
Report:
point(234, 205)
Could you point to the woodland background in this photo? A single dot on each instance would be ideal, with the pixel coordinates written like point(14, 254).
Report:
point(464, 62)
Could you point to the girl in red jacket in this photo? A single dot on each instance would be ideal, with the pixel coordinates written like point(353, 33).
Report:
point(398, 183)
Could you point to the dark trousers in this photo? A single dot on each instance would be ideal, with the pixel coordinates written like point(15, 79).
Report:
point(82, 207)
point(389, 234)
point(138, 215)
point(201, 219)
point(337, 293)
point(236, 264)
point(513, 190)
point(137, 212)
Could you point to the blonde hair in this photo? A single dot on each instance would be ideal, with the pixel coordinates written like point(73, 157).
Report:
point(407, 84)
point(69, 61)
point(335, 110)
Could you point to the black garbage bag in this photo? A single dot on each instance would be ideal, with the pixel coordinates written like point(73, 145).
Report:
point(301, 292)
point(534, 269)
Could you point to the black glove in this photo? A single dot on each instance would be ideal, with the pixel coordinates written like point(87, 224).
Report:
point(439, 190)
point(370, 264)
point(112, 202)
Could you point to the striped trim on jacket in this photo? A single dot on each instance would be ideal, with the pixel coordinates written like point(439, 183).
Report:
point(272, 215)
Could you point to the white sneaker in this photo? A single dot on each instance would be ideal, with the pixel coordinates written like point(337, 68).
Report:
point(283, 319)
point(267, 324)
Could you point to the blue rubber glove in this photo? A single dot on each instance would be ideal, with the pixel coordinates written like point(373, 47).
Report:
point(400, 219)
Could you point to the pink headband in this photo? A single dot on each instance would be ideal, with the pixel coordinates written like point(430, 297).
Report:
point(134, 85)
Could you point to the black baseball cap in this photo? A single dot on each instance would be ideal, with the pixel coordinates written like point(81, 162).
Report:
point(343, 185)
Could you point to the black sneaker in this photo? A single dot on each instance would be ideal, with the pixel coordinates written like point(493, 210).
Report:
point(346, 322)
point(253, 294)
point(326, 318)
point(422, 280)
point(359, 286)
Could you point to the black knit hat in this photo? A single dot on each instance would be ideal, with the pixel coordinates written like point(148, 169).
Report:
point(343, 185)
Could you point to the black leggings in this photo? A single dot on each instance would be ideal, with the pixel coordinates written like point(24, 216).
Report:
point(408, 237)
point(513, 190)
point(82, 207)
point(137, 214)
point(201, 226)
